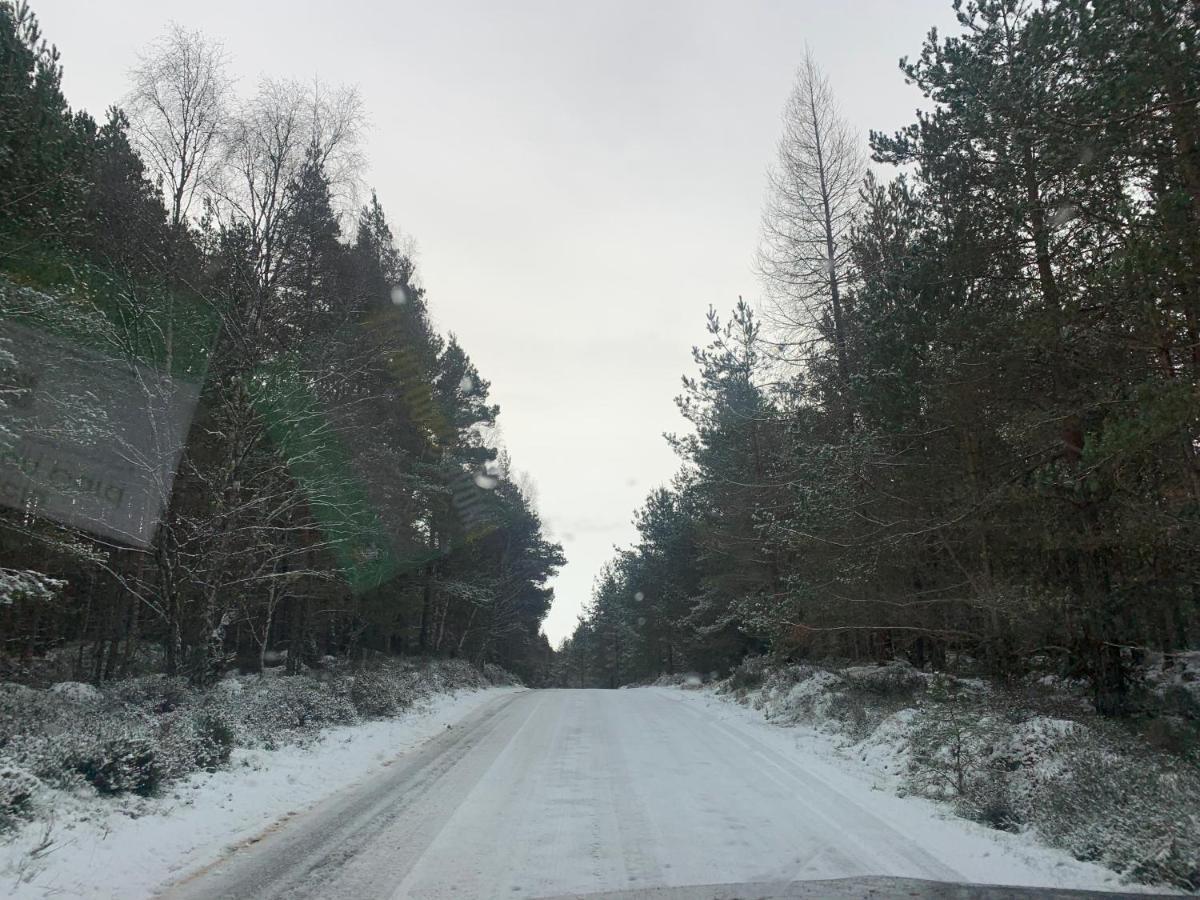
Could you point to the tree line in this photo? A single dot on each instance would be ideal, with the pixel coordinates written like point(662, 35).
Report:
point(340, 491)
point(963, 425)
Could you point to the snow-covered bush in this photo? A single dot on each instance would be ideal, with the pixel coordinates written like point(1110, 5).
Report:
point(297, 704)
point(121, 764)
point(132, 736)
point(750, 673)
point(889, 746)
point(1093, 790)
point(1031, 743)
point(794, 694)
point(1104, 799)
point(17, 789)
point(808, 700)
point(851, 700)
point(950, 758)
point(35, 726)
point(455, 674)
point(867, 695)
point(17, 702)
point(195, 737)
point(389, 688)
point(378, 693)
point(896, 679)
point(76, 690)
point(216, 741)
point(498, 676)
point(686, 680)
point(158, 693)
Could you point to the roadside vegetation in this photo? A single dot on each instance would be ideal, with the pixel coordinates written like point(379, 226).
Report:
point(136, 737)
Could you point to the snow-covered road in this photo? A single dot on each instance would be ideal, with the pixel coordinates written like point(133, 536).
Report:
point(561, 792)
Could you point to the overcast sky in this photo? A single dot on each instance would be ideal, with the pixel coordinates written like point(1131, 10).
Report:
point(583, 179)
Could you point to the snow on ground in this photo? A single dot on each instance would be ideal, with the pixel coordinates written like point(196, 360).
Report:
point(575, 791)
point(871, 772)
point(579, 791)
point(560, 792)
point(122, 847)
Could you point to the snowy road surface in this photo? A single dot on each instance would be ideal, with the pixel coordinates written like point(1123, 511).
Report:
point(547, 793)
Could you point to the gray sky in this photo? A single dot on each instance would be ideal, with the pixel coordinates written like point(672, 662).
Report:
point(583, 179)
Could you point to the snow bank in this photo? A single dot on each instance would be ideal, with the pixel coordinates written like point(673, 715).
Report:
point(119, 848)
point(107, 793)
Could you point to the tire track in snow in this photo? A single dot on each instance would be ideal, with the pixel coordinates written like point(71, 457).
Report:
point(568, 792)
point(874, 840)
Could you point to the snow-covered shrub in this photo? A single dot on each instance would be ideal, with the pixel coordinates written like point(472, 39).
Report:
point(896, 679)
point(1173, 733)
point(1178, 670)
point(1136, 812)
point(215, 741)
point(298, 703)
point(133, 735)
point(749, 674)
point(867, 695)
point(99, 744)
point(498, 676)
point(1093, 790)
point(35, 725)
point(76, 691)
point(888, 747)
point(17, 789)
point(157, 693)
point(193, 738)
point(121, 764)
point(989, 800)
point(379, 693)
point(686, 680)
point(453, 675)
point(799, 694)
point(781, 680)
point(1032, 742)
point(19, 707)
point(853, 701)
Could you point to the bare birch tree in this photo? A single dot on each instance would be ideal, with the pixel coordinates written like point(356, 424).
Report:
point(811, 200)
point(273, 134)
point(177, 104)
